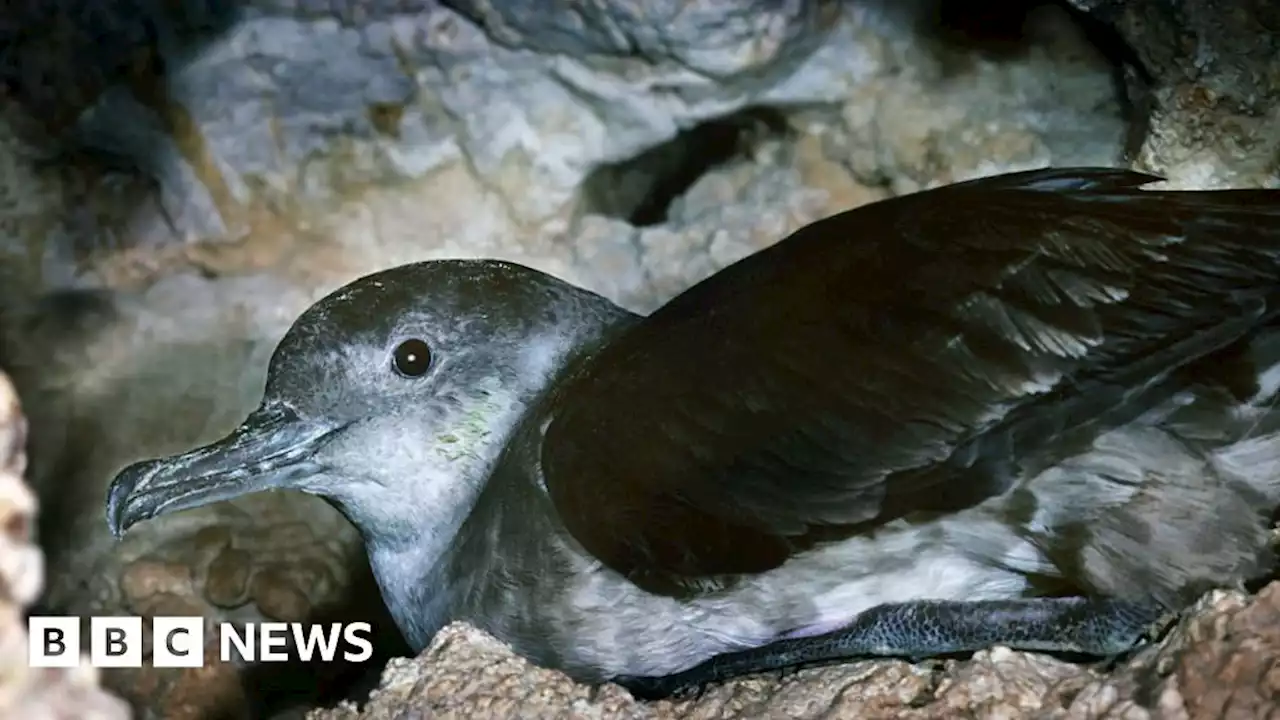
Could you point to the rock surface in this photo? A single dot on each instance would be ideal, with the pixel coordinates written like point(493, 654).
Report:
point(1217, 663)
point(1206, 85)
point(26, 692)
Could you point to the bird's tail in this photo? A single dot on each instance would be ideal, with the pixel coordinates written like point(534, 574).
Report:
point(1179, 501)
point(1238, 429)
point(1145, 512)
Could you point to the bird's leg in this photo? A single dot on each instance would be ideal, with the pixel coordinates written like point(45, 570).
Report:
point(929, 628)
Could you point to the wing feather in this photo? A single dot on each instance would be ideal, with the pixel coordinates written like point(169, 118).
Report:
point(900, 357)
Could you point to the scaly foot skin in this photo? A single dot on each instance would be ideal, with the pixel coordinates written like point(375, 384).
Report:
point(1155, 631)
point(929, 628)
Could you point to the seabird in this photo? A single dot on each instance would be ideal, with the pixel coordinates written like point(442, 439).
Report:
point(1032, 410)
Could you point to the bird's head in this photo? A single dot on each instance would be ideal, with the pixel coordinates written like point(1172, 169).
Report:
point(391, 397)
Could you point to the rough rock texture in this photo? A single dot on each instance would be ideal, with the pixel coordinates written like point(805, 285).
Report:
point(295, 110)
point(1206, 86)
point(179, 180)
point(26, 692)
point(1220, 662)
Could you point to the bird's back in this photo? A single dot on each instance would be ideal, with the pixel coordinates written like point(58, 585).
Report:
point(906, 356)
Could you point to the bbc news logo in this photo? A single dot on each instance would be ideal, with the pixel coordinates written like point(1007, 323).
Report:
point(178, 642)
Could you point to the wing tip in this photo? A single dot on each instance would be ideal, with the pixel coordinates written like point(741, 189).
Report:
point(1060, 179)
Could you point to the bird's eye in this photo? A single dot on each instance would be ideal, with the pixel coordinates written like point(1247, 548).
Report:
point(412, 358)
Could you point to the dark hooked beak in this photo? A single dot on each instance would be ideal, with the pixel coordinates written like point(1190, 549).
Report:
point(270, 448)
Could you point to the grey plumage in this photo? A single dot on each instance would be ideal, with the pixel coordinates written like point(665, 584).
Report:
point(1030, 385)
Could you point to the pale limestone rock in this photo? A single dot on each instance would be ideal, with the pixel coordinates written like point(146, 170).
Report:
point(26, 692)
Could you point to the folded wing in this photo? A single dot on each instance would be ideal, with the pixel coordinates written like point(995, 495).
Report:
point(900, 357)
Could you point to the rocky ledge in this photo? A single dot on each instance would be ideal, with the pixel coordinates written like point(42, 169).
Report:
point(1218, 662)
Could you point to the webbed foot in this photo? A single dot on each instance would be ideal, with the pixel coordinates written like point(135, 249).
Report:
point(930, 628)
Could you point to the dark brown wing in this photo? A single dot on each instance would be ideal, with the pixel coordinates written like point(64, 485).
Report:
point(894, 358)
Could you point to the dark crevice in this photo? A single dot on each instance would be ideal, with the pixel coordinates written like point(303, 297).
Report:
point(991, 27)
point(641, 189)
point(1006, 29)
point(58, 56)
